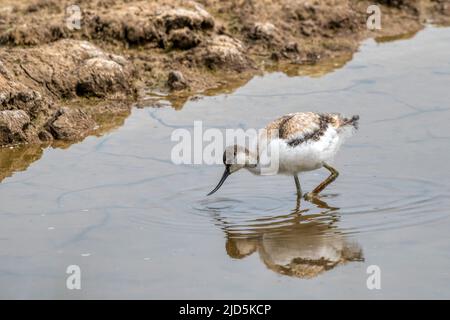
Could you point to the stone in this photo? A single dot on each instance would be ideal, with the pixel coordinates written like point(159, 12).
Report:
point(176, 81)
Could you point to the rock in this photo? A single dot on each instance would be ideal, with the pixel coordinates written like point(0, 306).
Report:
point(139, 32)
point(70, 124)
point(178, 18)
point(176, 81)
point(45, 136)
point(69, 68)
point(264, 31)
point(13, 126)
point(132, 23)
point(98, 76)
point(183, 39)
point(34, 80)
point(225, 52)
point(318, 20)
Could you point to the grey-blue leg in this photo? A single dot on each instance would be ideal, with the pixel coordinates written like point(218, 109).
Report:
point(297, 184)
point(333, 175)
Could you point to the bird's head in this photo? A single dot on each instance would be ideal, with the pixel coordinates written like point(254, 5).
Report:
point(235, 158)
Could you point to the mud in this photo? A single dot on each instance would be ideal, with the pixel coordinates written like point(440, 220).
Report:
point(58, 84)
point(39, 86)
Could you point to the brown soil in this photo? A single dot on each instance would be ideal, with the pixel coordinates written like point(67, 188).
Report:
point(58, 84)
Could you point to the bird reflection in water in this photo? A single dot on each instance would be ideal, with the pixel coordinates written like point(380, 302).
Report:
point(300, 244)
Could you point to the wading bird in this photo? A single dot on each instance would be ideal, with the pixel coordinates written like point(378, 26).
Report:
point(305, 141)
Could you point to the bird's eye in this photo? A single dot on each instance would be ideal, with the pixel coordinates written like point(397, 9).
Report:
point(228, 157)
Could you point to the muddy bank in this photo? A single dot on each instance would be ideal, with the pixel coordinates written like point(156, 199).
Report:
point(58, 84)
point(38, 84)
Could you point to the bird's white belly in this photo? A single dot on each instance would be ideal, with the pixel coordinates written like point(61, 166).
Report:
point(309, 155)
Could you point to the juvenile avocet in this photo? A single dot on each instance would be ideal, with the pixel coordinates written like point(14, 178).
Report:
point(306, 141)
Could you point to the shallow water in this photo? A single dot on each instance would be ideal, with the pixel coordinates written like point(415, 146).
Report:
point(140, 226)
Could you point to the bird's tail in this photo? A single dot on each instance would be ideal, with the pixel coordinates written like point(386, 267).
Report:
point(353, 121)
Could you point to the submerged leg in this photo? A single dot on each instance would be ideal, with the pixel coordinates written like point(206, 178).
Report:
point(334, 174)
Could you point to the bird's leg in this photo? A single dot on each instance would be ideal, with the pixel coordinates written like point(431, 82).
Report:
point(334, 174)
point(299, 192)
point(297, 184)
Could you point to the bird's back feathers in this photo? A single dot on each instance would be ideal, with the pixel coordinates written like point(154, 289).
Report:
point(300, 127)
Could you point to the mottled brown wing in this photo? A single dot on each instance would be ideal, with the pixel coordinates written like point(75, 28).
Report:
point(300, 125)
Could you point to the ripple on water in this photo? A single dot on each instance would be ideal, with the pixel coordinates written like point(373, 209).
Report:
point(191, 211)
point(382, 203)
point(367, 203)
point(237, 212)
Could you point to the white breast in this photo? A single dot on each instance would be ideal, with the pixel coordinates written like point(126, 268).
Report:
point(308, 155)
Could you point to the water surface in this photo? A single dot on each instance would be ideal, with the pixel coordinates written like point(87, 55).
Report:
point(140, 226)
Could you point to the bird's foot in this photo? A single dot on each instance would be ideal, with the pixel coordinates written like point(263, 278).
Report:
point(315, 199)
point(311, 196)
